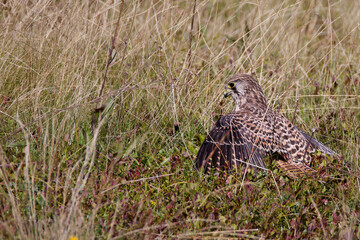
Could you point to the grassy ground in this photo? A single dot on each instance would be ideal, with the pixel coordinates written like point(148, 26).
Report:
point(126, 171)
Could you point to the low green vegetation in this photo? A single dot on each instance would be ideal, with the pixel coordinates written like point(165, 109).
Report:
point(82, 160)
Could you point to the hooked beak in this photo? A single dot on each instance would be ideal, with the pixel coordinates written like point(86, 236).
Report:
point(227, 94)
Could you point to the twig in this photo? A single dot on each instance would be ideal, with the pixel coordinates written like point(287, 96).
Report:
point(136, 180)
point(111, 58)
point(294, 114)
point(82, 178)
point(113, 222)
point(190, 37)
point(319, 216)
point(168, 225)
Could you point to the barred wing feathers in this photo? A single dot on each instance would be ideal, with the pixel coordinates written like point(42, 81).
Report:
point(236, 138)
point(318, 145)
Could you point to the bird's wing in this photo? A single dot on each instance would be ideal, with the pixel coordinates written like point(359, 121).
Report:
point(318, 145)
point(236, 138)
point(296, 148)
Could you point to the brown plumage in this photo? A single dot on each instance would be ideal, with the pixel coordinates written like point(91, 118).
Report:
point(254, 130)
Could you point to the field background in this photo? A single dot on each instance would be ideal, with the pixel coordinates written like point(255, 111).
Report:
point(82, 160)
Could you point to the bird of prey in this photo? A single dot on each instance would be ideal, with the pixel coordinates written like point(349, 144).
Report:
point(254, 130)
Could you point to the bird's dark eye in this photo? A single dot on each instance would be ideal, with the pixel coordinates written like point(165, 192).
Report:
point(231, 85)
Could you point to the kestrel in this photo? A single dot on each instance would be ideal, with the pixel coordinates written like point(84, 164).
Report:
point(254, 130)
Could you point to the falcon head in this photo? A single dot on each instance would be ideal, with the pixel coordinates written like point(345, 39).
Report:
point(245, 91)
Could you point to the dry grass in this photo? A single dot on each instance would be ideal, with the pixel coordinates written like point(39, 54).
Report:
point(126, 171)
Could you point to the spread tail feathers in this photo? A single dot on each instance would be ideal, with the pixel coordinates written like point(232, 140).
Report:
point(294, 170)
